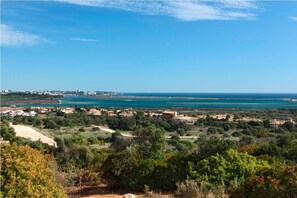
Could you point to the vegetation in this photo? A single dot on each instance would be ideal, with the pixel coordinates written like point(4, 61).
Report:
point(26, 172)
point(229, 158)
point(17, 98)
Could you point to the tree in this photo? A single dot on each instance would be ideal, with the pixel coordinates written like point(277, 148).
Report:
point(140, 163)
point(236, 117)
point(126, 123)
point(226, 127)
point(211, 130)
point(211, 146)
point(80, 163)
point(118, 167)
point(285, 139)
point(150, 141)
point(129, 170)
point(254, 123)
point(266, 123)
point(271, 149)
point(228, 117)
point(38, 122)
point(289, 126)
point(51, 124)
point(245, 140)
point(26, 172)
point(115, 136)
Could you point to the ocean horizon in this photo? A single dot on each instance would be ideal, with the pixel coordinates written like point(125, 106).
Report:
point(212, 95)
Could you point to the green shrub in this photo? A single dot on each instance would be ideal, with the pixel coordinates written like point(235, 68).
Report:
point(279, 181)
point(81, 130)
point(95, 129)
point(6, 132)
point(229, 168)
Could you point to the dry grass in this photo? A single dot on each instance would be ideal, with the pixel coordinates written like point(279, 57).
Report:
point(193, 189)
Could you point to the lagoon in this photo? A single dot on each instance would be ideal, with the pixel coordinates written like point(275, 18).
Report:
point(186, 100)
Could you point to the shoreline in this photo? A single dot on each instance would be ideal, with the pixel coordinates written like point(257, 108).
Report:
point(28, 102)
point(186, 97)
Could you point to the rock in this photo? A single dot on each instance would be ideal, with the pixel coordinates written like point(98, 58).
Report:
point(129, 195)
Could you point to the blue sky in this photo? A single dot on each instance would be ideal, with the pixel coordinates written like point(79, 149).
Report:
point(149, 46)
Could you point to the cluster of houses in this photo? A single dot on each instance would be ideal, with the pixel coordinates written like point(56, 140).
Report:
point(98, 112)
point(169, 114)
point(13, 113)
point(174, 115)
point(59, 93)
point(277, 123)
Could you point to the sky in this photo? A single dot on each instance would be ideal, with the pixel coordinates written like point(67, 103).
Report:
point(233, 46)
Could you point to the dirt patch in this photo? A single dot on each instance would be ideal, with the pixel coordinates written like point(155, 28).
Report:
point(105, 192)
point(31, 133)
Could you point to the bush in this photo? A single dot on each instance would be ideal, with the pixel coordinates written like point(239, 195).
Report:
point(226, 127)
point(95, 129)
point(129, 170)
point(237, 134)
point(93, 140)
point(211, 146)
point(211, 130)
point(229, 168)
point(81, 130)
point(289, 126)
point(51, 124)
point(25, 172)
point(86, 177)
point(245, 140)
point(6, 132)
point(279, 181)
point(249, 148)
point(15, 122)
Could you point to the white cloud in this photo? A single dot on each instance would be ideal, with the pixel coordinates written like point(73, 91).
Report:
point(189, 10)
point(293, 18)
point(239, 4)
point(84, 39)
point(12, 37)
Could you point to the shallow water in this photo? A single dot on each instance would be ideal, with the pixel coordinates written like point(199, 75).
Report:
point(186, 100)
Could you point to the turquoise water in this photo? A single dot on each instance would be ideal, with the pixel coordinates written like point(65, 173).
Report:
point(187, 100)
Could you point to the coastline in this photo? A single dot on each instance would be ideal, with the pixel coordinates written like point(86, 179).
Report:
point(30, 102)
point(185, 97)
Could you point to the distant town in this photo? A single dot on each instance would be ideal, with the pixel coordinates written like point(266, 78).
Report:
point(76, 92)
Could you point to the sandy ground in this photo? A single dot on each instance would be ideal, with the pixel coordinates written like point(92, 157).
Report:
point(103, 192)
point(108, 130)
point(10, 108)
point(105, 129)
point(29, 132)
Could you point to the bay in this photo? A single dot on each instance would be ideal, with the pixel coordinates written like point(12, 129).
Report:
point(186, 100)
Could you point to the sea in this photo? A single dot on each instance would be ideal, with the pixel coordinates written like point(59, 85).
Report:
point(187, 101)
